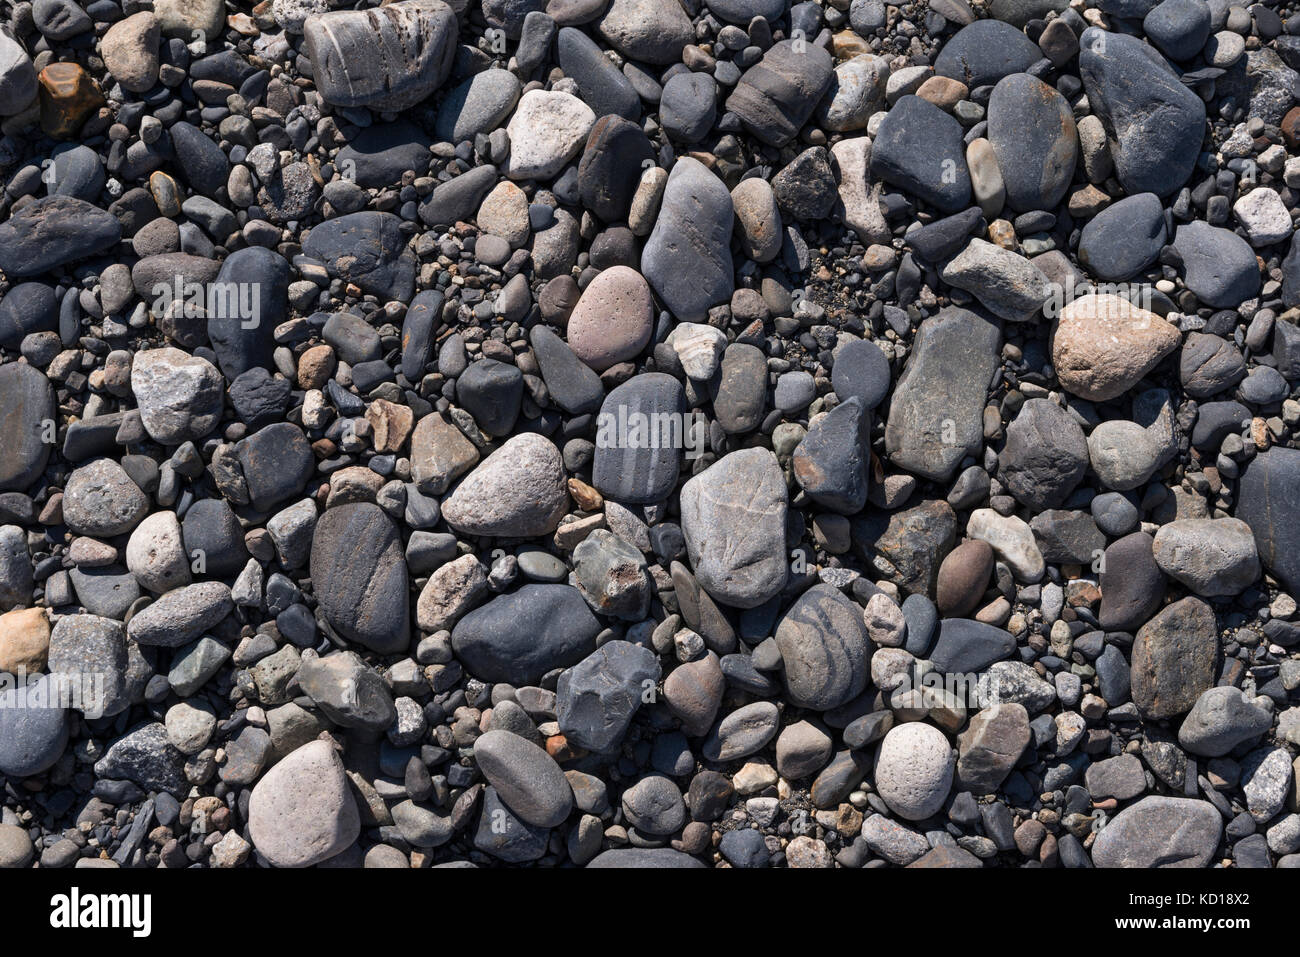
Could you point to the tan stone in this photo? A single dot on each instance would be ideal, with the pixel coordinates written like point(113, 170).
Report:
point(315, 366)
point(944, 92)
point(24, 640)
point(1102, 345)
point(392, 424)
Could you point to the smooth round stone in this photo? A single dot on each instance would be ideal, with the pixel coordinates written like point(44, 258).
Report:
point(823, 644)
point(32, 733)
point(28, 401)
point(802, 749)
point(687, 259)
point(1114, 514)
point(654, 805)
point(518, 637)
point(746, 730)
point(613, 320)
point(742, 390)
point(1123, 454)
point(1160, 831)
point(29, 307)
point(613, 160)
point(758, 219)
point(693, 692)
point(526, 778)
point(795, 391)
point(1123, 239)
point(914, 770)
point(651, 31)
point(628, 466)
point(517, 492)
point(862, 370)
point(100, 500)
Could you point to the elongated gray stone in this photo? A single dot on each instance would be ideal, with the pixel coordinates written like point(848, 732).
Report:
point(733, 518)
point(26, 419)
point(358, 570)
point(687, 258)
point(639, 439)
point(936, 415)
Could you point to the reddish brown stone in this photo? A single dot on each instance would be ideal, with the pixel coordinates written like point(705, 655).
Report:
point(69, 95)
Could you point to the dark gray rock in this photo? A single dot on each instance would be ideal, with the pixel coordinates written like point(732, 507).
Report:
point(601, 85)
point(521, 636)
point(358, 572)
point(936, 414)
point(919, 148)
point(1174, 658)
point(596, 699)
point(276, 463)
point(1218, 265)
point(1132, 585)
point(1155, 124)
point(369, 249)
point(1268, 499)
point(54, 231)
point(33, 729)
point(983, 52)
point(687, 259)
point(254, 286)
point(1045, 455)
point(26, 418)
point(1123, 239)
point(1032, 131)
point(639, 468)
point(832, 462)
point(965, 646)
point(379, 155)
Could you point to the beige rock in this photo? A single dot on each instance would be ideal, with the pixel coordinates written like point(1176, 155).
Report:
point(1102, 345)
point(24, 640)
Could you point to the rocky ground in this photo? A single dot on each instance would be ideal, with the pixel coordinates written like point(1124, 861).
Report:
point(642, 432)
